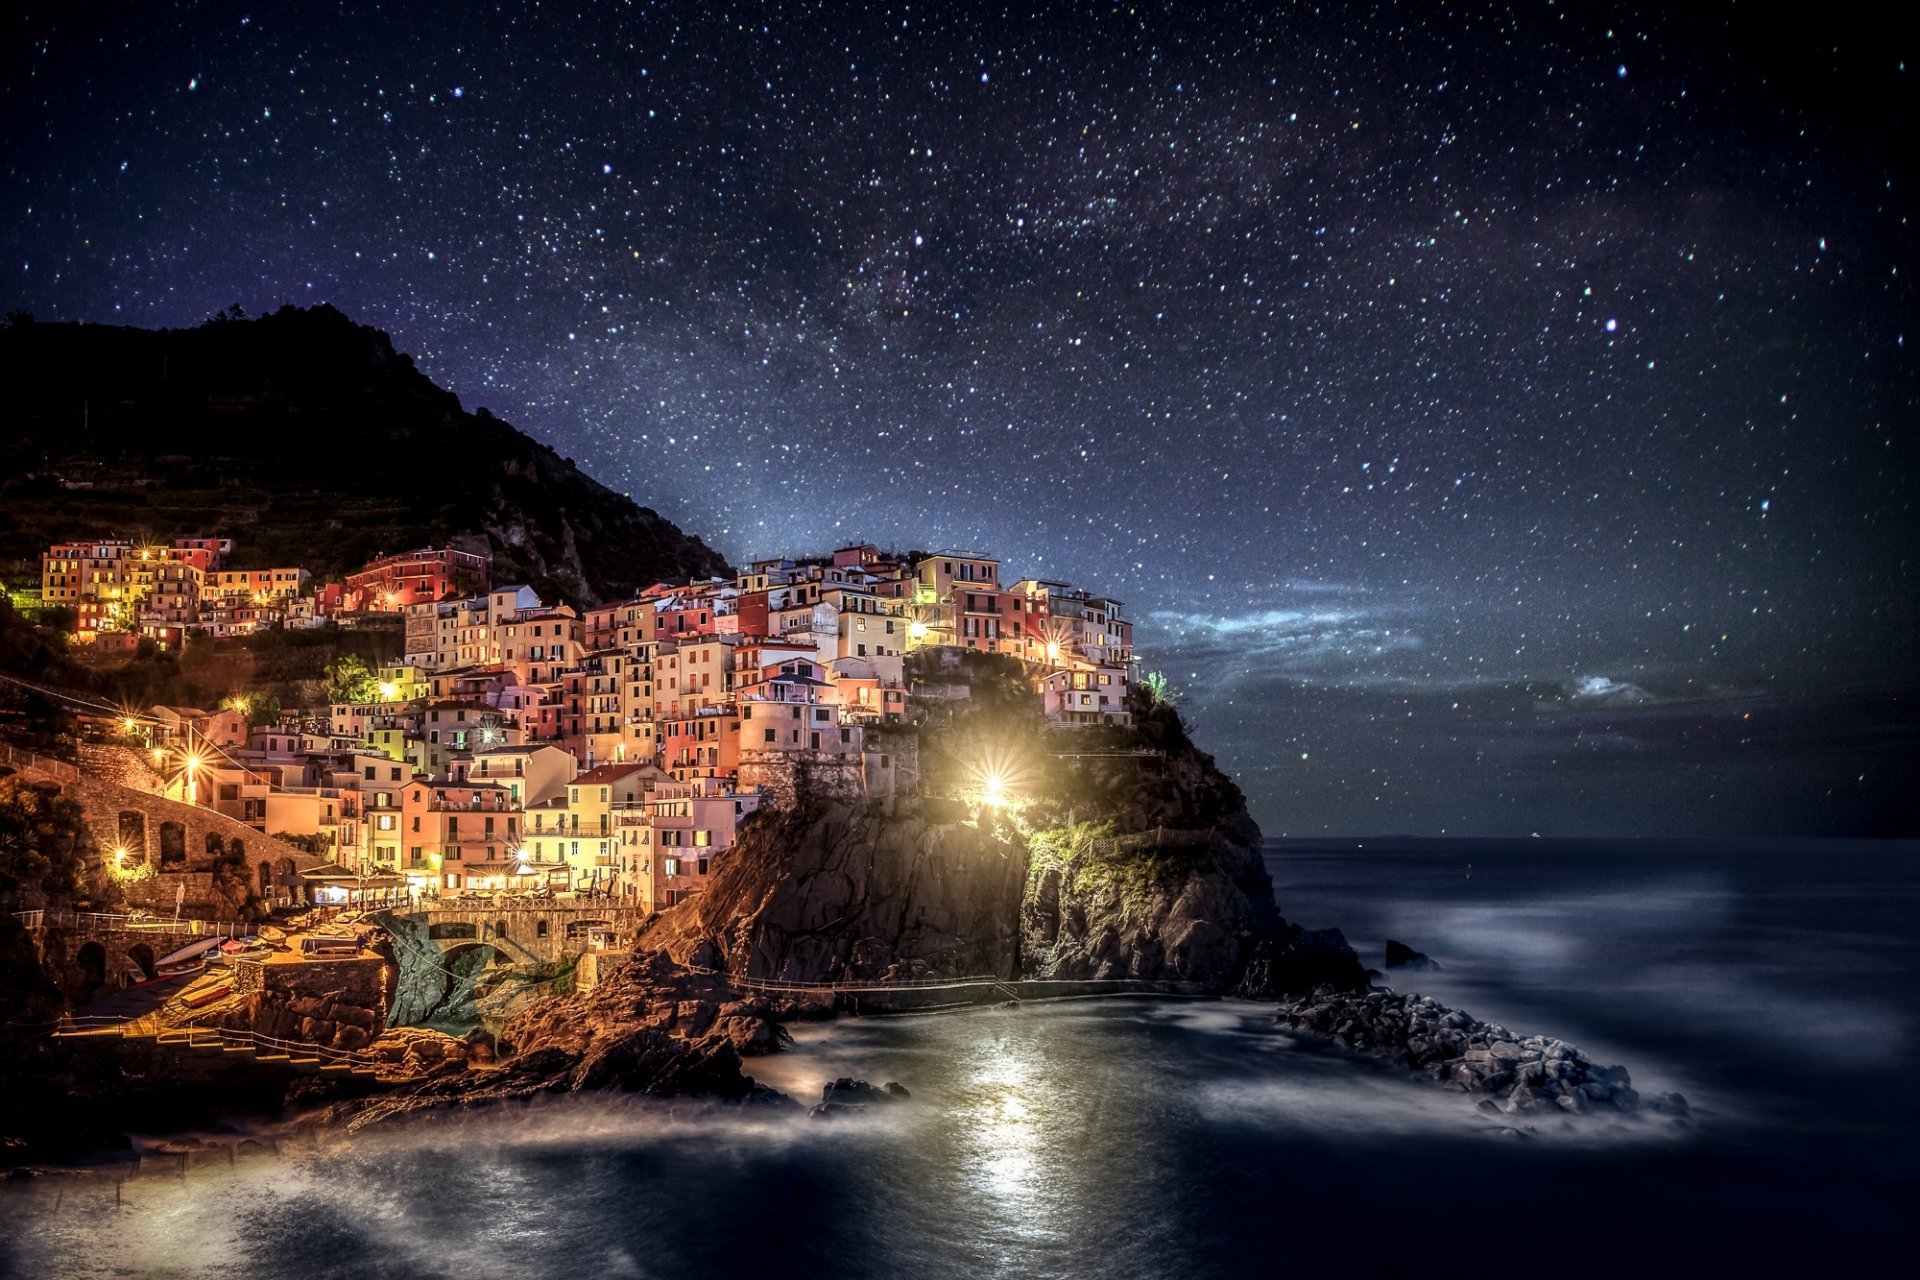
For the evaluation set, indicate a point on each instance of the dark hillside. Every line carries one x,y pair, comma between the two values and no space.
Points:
308,440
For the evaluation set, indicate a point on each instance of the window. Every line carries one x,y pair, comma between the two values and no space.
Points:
770,735
669,866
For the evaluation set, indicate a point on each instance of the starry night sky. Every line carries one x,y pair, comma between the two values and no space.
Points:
1497,420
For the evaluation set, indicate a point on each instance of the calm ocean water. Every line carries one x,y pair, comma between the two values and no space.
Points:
1773,984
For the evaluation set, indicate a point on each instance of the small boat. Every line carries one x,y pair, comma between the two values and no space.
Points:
192,952
201,999
137,977
272,933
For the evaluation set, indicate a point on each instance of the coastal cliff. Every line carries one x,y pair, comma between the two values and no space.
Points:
838,892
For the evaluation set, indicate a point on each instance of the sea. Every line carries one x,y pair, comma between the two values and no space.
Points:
1771,983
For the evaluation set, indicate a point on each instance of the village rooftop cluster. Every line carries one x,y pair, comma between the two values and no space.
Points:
521,746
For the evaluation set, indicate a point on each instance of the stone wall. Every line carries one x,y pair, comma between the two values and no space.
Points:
86,955
338,1003
218,862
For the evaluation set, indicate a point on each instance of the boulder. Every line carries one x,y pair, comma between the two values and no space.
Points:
849,1096
1402,956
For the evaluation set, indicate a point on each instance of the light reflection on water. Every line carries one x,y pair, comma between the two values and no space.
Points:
1146,1138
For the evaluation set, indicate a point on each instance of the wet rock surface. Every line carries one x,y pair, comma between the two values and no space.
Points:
1518,1074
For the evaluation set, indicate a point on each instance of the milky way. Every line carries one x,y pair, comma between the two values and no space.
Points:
1497,418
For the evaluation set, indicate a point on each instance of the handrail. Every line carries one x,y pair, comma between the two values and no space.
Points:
869,986
168,924
61,769
148,1026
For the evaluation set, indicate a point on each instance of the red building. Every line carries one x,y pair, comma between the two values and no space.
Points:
391,583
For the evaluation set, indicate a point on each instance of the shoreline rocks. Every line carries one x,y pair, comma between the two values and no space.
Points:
847,1096
1518,1074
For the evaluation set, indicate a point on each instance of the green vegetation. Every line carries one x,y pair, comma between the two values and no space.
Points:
350,679
44,841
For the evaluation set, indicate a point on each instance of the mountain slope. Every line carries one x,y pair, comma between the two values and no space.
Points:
308,440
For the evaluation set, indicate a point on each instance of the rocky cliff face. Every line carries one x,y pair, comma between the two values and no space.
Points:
838,891
1136,907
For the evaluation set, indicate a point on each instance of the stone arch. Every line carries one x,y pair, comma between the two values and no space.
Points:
91,962
237,849
500,927
216,847
266,878
131,834
173,843
142,956
540,928
469,956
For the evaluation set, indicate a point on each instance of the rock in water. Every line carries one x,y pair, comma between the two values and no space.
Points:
1402,956
849,1096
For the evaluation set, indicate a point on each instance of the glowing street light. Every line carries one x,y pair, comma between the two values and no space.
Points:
388,689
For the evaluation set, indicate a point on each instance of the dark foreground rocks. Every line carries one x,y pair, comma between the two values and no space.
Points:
652,1027
847,1096
1519,1075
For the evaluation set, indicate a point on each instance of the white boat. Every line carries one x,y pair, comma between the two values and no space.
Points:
192,951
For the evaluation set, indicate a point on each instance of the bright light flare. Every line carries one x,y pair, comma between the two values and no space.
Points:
997,775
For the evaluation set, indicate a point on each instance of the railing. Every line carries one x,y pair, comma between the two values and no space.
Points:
149,1027
869,986
40,764
165,924
30,919
1159,838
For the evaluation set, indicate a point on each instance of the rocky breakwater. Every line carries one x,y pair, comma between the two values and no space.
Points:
1519,1075
651,1026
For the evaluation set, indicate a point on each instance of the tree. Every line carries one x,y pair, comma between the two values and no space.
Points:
350,679
44,841
259,708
